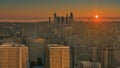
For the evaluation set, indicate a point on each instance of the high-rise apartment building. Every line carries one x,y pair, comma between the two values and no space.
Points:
13,56
57,56
106,57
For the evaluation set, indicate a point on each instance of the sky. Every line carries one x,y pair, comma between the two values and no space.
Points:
35,9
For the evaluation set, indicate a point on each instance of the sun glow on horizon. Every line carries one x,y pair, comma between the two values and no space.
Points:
97,19
96,16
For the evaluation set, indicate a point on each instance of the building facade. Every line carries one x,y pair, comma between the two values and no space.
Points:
13,56
58,56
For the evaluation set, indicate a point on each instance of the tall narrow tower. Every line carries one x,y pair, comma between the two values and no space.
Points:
49,19
71,17
66,18
55,17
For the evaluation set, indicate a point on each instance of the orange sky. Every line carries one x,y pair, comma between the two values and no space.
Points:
42,9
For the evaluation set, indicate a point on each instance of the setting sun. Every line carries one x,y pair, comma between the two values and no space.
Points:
97,19
96,16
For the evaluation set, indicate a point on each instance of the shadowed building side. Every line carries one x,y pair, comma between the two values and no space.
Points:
36,50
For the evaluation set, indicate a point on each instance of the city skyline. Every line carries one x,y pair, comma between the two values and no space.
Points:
59,34
37,9
92,44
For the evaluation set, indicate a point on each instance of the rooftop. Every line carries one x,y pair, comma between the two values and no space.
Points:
57,46
11,45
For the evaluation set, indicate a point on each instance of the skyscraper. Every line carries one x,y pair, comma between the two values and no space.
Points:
68,31
13,56
94,53
63,19
79,50
57,56
106,57
71,17
66,18
55,17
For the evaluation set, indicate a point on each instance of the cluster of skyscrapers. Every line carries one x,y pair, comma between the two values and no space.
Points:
63,19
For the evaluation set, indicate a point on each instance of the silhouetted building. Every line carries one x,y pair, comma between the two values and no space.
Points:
49,19
62,19
55,17
58,20
67,19
71,17
13,56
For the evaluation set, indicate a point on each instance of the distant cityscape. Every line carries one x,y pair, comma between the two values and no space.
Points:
60,42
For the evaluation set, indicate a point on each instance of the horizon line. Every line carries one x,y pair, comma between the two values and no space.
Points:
46,19
37,18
